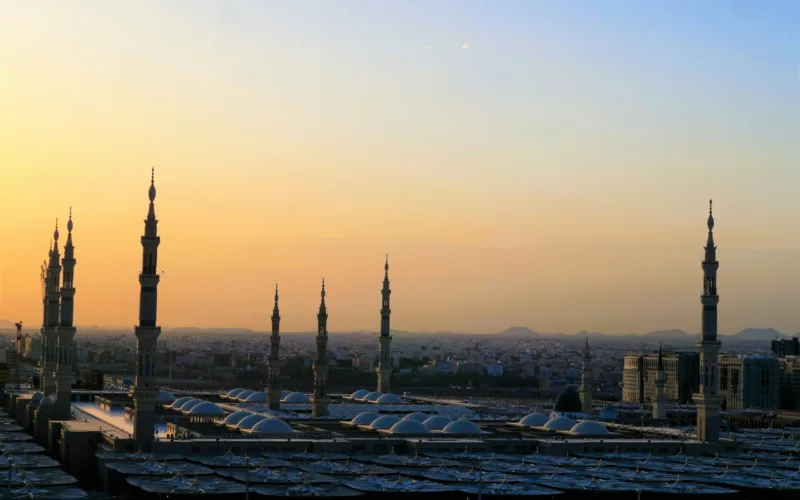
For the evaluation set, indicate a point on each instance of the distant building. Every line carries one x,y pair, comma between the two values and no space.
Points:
750,382
790,382
494,370
640,372
33,347
786,347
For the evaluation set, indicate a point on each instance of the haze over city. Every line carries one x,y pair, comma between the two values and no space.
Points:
534,163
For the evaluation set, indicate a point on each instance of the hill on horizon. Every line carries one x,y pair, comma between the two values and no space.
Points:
669,333
759,333
518,330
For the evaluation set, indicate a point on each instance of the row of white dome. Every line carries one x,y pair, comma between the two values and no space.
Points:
376,397
585,427
415,423
256,423
248,396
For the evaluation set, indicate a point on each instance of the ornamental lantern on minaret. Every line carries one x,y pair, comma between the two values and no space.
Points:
586,379
145,390
707,399
385,339
320,399
65,376
273,382
660,403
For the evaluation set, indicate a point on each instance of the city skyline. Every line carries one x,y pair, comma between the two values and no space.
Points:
560,196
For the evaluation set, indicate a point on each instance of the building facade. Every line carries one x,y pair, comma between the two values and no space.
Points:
790,382
640,374
750,382
786,347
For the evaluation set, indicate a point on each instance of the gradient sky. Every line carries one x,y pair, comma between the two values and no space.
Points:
532,163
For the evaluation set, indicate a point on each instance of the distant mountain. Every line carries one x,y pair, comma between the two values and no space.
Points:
518,330
6,324
759,334
584,333
668,333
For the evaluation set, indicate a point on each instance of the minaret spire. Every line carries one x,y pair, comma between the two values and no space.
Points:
145,390
660,402
587,384
66,332
320,399
707,400
385,339
50,327
273,381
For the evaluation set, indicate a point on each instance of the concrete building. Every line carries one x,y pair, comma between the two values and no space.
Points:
790,382
147,332
707,399
33,348
750,382
385,340
786,347
640,373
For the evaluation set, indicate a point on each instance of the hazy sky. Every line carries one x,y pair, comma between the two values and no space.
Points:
532,163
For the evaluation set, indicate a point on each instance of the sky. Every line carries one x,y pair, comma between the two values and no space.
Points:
537,163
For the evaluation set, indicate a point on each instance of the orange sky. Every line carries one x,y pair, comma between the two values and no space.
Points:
516,182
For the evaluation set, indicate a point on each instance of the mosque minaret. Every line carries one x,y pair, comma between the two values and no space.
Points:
273,383
50,327
145,390
66,332
660,403
586,379
320,399
385,360
707,400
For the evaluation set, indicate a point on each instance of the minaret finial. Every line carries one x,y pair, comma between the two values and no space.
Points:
710,215
323,288
153,175
69,222
55,233
276,292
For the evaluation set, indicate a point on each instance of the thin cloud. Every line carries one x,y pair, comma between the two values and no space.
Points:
428,47
465,46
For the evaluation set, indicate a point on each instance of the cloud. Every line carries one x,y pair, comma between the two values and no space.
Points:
428,47
465,46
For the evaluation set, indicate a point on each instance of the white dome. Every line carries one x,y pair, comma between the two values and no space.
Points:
272,426
462,427
372,396
248,422
533,420
180,402
36,397
389,399
257,397
418,416
437,422
206,408
409,426
296,398
589,428
359,394
234,392
560,424
48,401
365,418
285,393
165,398
242,397
190,404
235,417
383,423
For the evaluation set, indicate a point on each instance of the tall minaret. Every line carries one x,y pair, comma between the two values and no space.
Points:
274,387
385,361
320,400
660,403
50,328
707,400
66,332
145,390
586,379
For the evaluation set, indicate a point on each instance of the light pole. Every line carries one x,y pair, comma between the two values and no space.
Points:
246,477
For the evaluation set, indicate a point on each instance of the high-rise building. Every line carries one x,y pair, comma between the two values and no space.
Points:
750,381
707,399
385,357
640,374
145,390
786,347
790,382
